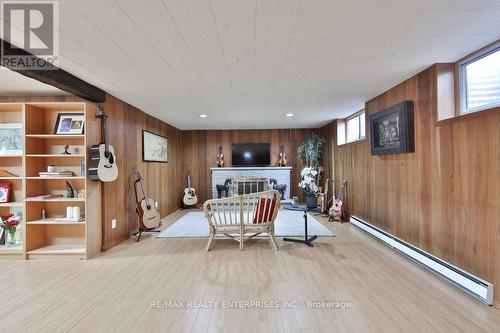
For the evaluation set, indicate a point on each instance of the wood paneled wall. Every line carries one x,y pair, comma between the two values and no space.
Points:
125,133
200,148
161,179
444,198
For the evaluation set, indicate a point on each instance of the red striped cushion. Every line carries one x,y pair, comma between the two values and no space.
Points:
265,210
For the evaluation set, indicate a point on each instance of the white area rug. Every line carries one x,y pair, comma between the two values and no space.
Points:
288,224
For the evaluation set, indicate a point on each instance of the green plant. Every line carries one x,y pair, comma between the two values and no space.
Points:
310,151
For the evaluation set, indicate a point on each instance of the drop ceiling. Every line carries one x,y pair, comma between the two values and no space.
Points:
246,64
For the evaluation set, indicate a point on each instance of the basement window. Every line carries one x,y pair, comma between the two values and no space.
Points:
480,81
355,129
351,129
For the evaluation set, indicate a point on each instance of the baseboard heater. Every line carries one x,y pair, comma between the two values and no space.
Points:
472,285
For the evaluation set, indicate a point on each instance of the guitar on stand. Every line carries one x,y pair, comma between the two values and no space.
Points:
336,212
220,158
190,199
282,160
148,215
102,165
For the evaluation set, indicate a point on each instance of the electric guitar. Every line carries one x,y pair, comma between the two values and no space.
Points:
337,211
102,156
190,198
148,215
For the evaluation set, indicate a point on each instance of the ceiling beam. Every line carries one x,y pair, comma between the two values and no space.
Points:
55,76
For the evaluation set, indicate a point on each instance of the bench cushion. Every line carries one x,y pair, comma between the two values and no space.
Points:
265,210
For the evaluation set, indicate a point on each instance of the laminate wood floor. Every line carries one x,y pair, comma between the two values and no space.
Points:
355,283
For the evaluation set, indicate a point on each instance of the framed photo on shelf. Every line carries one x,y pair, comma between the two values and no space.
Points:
11,139
70,123
154,147
5,189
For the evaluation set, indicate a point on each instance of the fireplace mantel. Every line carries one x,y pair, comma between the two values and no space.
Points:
251,168
281,174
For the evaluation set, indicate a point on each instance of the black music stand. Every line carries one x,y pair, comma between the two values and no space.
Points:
307,239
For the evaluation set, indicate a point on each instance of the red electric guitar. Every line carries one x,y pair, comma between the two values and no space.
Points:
337,211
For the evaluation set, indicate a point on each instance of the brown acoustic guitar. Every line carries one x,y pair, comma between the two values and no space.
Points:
149,217
220,158
282,161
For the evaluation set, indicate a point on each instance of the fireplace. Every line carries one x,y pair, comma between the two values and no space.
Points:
250,185
256,177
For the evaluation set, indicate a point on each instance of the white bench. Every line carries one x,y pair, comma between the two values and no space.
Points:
243,217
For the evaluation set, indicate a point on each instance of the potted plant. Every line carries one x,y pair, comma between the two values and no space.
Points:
9,224
309,152
308,185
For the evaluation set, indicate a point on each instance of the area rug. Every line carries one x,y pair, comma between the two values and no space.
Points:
288,224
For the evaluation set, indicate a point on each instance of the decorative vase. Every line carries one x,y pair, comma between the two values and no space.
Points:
11,238
311,202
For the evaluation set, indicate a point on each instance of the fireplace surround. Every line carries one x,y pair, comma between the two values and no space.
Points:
250,179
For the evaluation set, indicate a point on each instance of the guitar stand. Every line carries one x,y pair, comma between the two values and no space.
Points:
184,206
141,230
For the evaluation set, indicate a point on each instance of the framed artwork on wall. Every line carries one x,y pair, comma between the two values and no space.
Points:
70,123
392,130
11,139
154,147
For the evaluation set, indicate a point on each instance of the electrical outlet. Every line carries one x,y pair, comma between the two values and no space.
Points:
113,224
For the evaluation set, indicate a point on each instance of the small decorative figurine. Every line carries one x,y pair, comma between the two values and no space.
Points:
220,158
66,152
81,194
70,193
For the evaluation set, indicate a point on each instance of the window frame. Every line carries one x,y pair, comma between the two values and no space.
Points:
462,80
346,120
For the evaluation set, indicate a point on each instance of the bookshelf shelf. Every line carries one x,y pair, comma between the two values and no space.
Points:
11,204
55,200
51,221
56,178
56,136
15,250
56,155
56,249
43,148
12,163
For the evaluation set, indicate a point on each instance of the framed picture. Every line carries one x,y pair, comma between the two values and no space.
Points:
392,130
11,139
5,192
70,123
154,147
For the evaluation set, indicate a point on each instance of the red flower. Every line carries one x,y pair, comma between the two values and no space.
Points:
6,217
12,223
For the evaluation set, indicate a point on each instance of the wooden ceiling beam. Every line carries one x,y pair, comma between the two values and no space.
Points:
55,77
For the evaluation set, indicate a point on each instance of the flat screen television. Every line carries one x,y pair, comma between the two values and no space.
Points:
251,154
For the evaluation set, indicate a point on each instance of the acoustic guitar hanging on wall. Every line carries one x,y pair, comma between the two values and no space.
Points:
102,156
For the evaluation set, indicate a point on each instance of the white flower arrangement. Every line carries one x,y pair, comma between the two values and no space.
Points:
308,183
